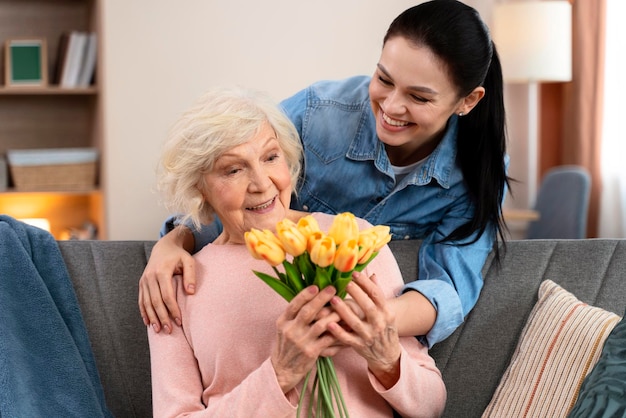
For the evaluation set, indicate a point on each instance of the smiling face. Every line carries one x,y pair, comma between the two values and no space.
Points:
412,98
249,186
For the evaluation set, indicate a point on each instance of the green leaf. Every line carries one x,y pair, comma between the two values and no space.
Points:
341,283
306,267
278,286
281,276
322,277
360,267
294,278
334,275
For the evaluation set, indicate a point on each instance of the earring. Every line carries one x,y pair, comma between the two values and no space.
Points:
461,113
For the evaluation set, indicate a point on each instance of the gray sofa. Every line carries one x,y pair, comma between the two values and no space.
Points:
105,276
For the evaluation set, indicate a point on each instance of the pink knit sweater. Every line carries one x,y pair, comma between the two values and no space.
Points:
218,364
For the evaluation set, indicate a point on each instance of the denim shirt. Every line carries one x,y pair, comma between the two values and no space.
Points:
347,169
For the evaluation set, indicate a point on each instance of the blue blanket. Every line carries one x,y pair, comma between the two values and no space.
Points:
47,368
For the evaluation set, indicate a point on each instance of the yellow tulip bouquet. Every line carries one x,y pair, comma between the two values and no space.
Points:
321,259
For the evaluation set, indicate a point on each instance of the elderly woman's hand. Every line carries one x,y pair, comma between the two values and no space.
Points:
373,334
302,336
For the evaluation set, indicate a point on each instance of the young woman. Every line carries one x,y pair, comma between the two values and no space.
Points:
419,146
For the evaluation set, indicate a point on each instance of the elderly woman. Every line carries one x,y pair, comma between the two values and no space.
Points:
242,350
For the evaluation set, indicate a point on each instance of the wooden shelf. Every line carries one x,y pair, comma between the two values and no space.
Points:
50,90
13,192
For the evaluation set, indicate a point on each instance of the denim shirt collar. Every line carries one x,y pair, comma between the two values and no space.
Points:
438,166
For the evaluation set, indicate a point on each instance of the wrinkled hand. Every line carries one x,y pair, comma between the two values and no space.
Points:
372,334
301,336
157,290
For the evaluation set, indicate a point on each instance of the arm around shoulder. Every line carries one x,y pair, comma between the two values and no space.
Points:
157,298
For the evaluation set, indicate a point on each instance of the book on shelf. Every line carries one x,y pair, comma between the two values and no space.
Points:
61,57
88,66
76,59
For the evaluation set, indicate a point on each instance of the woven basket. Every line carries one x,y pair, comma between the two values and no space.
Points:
56,177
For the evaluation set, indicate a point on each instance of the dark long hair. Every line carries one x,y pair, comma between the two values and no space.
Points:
456,34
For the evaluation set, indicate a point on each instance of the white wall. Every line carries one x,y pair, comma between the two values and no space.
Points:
159,55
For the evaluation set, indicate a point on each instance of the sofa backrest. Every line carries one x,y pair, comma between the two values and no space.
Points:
106,274
106,279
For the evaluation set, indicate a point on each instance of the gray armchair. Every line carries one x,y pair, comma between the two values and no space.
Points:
562,203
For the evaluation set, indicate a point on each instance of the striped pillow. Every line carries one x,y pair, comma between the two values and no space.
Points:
559,345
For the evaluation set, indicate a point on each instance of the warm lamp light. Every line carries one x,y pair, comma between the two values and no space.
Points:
41,223
534,40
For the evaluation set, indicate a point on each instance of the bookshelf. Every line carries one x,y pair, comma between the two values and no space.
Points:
51,116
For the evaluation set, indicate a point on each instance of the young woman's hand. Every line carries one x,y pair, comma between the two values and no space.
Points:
157,295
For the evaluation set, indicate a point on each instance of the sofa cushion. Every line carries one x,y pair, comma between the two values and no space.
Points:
603,393
559,345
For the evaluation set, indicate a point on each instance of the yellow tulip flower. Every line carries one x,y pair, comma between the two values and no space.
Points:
263,245
322,249
292,239
344,228
366,246
346,256
308,225
380,235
